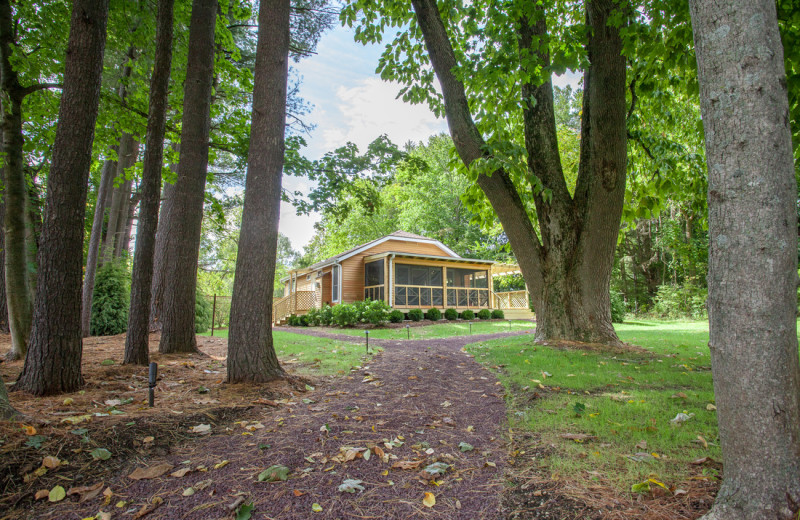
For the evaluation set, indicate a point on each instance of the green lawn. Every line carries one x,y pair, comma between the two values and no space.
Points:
309,355
444,329
620,400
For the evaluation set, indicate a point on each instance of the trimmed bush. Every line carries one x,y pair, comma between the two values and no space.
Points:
202,314
344,315
484,314
111,299
396,316
434,314
293,321
375,312
498,314
304,320
451,314
415,314
467,315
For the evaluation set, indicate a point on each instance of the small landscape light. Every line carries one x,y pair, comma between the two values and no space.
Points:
470,328
152,383
408,331
366,334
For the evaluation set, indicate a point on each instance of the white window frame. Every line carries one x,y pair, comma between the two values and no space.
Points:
336,288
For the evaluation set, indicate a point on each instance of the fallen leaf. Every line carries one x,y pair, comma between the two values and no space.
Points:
703,441
437,468
86,492
68,401
274,473
42,493
407,464
57,494
577,437
51,462
316,507
199,486
679,395
642,445
710,407
150,472
446,404
201,429
188,492
148,439
100,454
351,485
245,511
298,493
29,430
181,472
465,446
429,500
702,460
149,508
102,515
220,465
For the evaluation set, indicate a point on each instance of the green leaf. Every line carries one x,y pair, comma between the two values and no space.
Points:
465,446
244,512
35,441
316,507
107,362
351,485
274,473
641,487
100,454
578,408
437,468
57,494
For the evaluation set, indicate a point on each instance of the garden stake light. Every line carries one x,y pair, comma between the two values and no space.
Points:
152,381
470,328
366,334
408,331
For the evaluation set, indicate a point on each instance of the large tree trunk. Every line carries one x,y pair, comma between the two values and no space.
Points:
125,245
752,278
6,410
106,184
183,246
137,350
569,270
159,260
53,362
251,354
20,306
3,306
120,195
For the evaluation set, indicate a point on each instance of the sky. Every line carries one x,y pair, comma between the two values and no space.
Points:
351,103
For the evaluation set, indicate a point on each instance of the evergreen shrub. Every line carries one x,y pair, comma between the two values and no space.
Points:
110,300
484,314
467,315
415,314
396,316
202,313
451,314
434,314
498,314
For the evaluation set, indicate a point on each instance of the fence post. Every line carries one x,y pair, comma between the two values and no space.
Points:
213,314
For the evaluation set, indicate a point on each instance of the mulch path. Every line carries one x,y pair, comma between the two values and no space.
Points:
411,407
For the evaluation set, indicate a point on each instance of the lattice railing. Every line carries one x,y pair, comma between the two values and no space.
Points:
300,301
511,300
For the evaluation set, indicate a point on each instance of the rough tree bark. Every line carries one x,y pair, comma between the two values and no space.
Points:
3,306
125,244
127,207
159,261
6,410
251,354
120,194
183,234
569,270
106,184
20,306
752,278
53,361
137,350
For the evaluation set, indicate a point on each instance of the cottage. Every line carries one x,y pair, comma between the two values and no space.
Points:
405,270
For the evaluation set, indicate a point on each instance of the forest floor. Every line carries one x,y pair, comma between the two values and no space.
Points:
419,431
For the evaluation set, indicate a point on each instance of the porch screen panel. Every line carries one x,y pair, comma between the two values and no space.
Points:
373,280
418,286
467,287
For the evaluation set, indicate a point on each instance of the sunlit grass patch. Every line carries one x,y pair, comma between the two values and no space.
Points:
444,329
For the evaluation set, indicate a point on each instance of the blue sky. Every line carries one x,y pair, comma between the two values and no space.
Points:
351,103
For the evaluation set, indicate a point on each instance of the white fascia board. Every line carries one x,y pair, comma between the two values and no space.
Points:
401,239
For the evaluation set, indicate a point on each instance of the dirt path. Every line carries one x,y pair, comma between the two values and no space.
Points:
414,404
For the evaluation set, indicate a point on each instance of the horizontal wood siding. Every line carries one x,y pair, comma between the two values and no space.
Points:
353,267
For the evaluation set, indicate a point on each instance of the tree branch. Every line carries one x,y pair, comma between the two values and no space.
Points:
40,86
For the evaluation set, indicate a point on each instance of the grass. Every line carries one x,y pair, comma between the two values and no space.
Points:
619,400
444,329
309,355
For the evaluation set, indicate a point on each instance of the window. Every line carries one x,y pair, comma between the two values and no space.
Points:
472,278
335,283
373,273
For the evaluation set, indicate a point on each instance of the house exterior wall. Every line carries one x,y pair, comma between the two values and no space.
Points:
353,267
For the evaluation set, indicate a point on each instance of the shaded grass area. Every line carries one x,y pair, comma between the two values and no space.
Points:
444,329
309,355
624,403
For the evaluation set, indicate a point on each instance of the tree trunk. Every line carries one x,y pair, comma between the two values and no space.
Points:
6,410
3,306
120,194
251,354
53,361
569,270
106,180
128,203
125,246
752,278
183,246
20,306
159,260
137,350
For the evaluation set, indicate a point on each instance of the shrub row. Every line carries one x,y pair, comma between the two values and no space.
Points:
378,313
